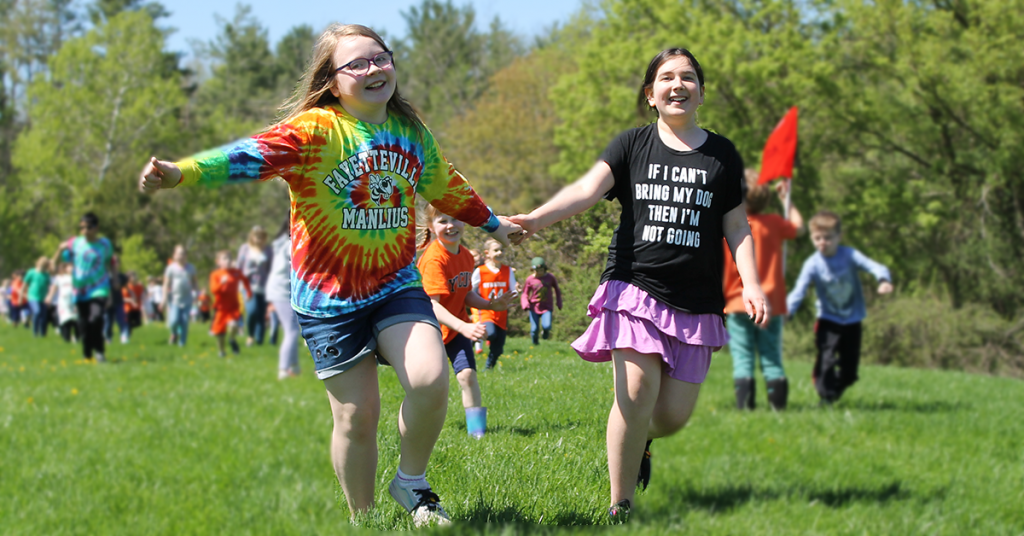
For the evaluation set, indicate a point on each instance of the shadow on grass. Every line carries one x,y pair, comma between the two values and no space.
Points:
731,497
913,406
907,406
485,518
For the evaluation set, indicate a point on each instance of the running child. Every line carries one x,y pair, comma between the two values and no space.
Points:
447,270
540,295
62,294
134,295
355,155
224,283
492,280
658,310
840,301
747,341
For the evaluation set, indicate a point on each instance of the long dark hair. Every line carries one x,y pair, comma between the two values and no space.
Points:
642,106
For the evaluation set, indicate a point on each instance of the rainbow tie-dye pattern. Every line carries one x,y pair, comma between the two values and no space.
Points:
353,188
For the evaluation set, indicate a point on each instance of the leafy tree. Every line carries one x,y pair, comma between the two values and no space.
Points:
444,62
105,103
291,56
926,125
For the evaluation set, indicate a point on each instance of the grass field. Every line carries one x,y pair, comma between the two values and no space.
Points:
164,441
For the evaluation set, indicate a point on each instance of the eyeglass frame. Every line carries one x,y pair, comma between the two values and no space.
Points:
369,61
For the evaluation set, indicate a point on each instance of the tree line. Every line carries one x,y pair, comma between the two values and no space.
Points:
912,114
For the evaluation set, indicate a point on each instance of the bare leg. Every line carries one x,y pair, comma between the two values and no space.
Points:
416,352
220,345
471,397
676,401
637,383
355,404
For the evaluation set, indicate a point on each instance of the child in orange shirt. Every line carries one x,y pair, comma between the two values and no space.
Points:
492,280
745,339
205,304
226,311
447,269
134,296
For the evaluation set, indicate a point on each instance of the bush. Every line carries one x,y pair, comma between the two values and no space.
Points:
928,332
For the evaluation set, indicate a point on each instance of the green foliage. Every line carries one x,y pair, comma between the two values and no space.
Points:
137,256
106,102
925,332
444,62
170,441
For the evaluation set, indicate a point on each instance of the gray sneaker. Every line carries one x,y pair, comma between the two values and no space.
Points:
423,504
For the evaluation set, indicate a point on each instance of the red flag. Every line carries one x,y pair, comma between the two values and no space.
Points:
780,150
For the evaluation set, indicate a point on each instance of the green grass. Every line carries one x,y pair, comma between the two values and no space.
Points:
168,442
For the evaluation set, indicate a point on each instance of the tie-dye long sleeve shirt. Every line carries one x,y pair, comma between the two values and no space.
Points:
353,188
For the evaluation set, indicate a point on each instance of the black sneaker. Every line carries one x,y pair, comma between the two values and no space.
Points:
619,513
644,478
234,346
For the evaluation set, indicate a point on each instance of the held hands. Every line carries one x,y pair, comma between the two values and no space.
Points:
884,287
508,233
756,305
471,331
528,224
158,174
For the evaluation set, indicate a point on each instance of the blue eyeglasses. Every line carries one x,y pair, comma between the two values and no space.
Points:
360,66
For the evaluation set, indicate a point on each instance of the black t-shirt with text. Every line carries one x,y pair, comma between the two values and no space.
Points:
669,238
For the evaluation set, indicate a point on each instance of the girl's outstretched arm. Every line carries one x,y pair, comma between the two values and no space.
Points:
158,174
737,234
570,201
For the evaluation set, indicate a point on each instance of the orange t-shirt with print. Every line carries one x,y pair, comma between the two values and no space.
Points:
448,276
492,286
768,232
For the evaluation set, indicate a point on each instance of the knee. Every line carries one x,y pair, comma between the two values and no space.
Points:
357,423
467,378
430,389
669,422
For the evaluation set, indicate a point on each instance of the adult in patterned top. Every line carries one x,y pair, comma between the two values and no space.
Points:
91,256
355,156
658,310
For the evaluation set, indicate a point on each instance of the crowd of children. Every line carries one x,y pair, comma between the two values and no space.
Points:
665,302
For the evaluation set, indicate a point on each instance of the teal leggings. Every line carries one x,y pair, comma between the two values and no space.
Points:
746,340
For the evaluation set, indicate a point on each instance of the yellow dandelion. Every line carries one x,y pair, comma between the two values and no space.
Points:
30,400
74,391
44,362
21,368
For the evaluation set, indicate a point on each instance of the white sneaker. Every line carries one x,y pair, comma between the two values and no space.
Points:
99,357
124,338
423,504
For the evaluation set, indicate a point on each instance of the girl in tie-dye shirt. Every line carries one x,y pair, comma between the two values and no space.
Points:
355,156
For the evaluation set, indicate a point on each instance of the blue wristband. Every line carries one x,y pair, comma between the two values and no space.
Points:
492,223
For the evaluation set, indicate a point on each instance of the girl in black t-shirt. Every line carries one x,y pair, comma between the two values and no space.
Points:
658,310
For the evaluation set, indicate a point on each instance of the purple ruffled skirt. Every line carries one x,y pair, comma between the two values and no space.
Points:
626,317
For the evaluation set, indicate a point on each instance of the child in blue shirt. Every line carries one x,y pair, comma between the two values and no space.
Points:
840,301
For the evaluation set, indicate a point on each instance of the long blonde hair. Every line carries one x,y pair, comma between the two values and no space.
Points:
314,88
423,228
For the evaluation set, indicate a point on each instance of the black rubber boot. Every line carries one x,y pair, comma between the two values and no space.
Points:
778,393
745,393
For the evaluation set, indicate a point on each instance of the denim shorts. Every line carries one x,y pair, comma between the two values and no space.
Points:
340,342
460,353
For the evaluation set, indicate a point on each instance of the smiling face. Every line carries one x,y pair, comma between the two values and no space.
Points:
494,252
449,231
366,95
676,92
